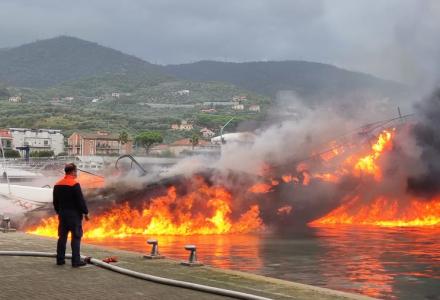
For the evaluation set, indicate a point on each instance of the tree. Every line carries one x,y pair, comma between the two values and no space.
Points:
194,140
10,153
42,153
148,138
123,137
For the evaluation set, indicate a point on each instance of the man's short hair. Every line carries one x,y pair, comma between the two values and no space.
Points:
69,168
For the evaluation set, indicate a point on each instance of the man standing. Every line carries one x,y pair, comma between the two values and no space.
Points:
70,206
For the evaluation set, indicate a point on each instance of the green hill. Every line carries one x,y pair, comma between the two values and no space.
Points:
67,83
308,79
49,62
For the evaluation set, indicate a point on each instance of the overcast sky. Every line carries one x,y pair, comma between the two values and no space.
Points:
395,39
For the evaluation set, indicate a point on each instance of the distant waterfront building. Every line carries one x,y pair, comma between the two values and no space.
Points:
38,139
99,143
6,138
116,95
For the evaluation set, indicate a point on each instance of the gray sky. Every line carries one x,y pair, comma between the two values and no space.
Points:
396,39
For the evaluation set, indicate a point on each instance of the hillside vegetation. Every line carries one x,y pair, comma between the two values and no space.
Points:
72,84
308,79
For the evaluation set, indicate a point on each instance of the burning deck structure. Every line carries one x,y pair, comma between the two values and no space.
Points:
361,181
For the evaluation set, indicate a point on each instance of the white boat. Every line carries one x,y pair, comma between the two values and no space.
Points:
17,200
16,174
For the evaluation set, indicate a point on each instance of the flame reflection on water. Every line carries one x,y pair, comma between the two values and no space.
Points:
389,263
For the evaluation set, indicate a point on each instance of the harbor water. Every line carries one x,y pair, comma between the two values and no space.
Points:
387,263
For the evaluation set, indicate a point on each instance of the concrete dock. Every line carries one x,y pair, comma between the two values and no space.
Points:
41,278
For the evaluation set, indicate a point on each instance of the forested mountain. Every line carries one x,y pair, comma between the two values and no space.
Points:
72,84
49,62
54,61
308,79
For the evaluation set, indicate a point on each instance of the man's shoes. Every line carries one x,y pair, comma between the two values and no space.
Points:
80,264
60,263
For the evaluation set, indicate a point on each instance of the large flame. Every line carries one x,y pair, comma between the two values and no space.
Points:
205,210
382,210
368,164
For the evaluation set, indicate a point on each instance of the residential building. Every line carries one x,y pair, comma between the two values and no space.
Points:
209,110
239,98
255,108
6,139
207,133
69,98
38,139
116,95
238,107
182,92
184,125
99,143
15,99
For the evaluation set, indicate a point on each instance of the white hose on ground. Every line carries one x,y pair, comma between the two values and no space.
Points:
162,280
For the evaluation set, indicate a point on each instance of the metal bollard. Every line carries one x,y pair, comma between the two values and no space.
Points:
154,250
6,225
192,260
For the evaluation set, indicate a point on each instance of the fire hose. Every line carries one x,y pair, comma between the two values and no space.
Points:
148,277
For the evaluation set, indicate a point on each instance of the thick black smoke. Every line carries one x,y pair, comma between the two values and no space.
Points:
427,136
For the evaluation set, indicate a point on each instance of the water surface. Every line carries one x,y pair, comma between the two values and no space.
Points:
389,263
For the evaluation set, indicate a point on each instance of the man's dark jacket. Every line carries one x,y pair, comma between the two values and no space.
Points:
68,198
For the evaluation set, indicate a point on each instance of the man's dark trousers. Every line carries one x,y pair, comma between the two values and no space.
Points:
69,222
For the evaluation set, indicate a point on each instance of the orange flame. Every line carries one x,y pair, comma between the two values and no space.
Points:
368,163
207,210
287,178
260,188
384,212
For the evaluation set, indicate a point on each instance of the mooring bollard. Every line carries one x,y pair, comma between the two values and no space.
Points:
154,250
6,225
192,260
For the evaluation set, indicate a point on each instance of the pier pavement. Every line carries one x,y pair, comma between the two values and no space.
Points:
41,278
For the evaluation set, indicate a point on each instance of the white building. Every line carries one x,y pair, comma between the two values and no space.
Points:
238,107
207,133
116,95
255,108
185,125
38,139
15,99
182,92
